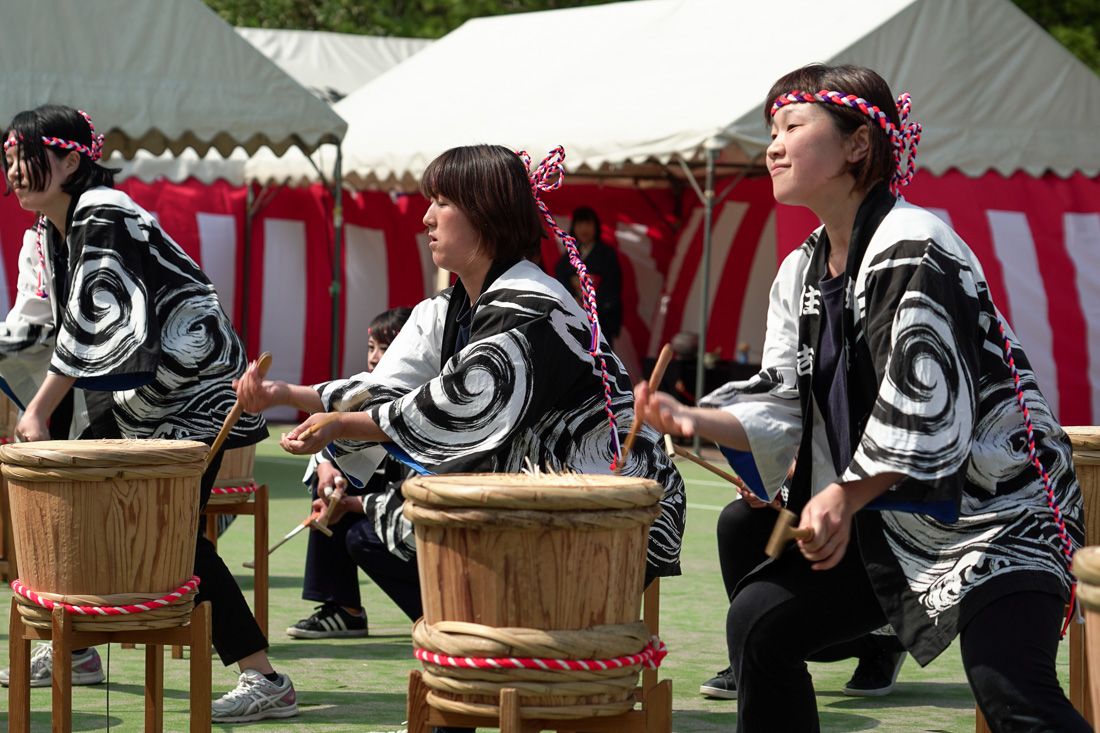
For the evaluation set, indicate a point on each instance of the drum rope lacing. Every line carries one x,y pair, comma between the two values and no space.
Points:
167,599
246,488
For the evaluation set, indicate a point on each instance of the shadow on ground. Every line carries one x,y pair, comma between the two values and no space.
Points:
40,721
914,695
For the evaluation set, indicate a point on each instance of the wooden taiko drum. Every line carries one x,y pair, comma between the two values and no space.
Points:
532,566
1086,462
9,417
108,520
1086,566
1085,647
234,482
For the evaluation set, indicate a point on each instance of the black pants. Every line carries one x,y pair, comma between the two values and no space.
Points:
787,612
331,575
743,533
397,578
234,628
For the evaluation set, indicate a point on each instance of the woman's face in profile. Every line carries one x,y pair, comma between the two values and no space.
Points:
452,238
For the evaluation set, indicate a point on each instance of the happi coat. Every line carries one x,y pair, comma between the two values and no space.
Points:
523,388
930,396
140,327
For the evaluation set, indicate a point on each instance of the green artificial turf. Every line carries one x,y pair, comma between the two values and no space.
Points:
359,685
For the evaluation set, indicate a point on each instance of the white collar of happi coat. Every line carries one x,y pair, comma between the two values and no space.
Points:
526,275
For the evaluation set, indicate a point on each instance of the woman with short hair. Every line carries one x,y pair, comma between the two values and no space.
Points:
140,330
493,373
885,371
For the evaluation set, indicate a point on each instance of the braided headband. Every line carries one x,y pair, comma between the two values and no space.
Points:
549,176
903,139
94,151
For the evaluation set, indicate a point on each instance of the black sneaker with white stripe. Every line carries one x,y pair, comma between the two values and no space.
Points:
330,622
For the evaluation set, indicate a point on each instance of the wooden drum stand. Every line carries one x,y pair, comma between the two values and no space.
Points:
654,715
195,634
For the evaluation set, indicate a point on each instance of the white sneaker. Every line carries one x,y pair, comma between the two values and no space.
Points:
87,668
256,698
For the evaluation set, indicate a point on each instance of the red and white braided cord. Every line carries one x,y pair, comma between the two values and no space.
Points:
549,176
249,488
1033,458
903,139
166,600
651,657
94,151
40,243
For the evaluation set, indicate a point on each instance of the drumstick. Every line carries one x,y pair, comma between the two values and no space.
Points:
287,537
784,531
333,500
685,453
321,422
654,382
262,365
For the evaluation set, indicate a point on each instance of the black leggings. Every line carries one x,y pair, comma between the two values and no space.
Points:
397,578
788,612
234,629
331,575
1015,682
743,533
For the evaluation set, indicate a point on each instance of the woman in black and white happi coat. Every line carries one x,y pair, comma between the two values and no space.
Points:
884,371
492,372
139,329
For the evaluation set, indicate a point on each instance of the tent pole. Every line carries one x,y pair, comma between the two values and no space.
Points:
246,270
337,258
708,217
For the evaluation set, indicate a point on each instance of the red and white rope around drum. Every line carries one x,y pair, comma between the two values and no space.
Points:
651,657
249,488
166,600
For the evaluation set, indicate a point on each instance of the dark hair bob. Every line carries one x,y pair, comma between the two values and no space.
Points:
489,184
55,120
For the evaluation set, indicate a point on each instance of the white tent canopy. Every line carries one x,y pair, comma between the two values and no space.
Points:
155,76
331,65
629,87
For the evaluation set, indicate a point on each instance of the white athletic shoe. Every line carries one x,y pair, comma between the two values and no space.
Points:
87,668
256,698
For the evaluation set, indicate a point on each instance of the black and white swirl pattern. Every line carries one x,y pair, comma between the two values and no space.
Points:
197,337
524,389
924,411
476,409
142,320
106,318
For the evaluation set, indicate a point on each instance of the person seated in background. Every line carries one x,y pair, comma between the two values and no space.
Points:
602,262
331,574
679,379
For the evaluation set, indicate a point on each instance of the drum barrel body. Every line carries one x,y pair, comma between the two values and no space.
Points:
532,577
1086,562
104,517
560,557
238,465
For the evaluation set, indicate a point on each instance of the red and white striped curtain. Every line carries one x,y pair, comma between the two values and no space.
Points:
1038,240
